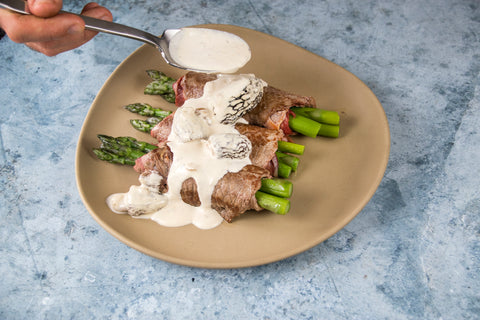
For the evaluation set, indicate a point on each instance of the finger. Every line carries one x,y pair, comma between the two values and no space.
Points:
89,6
56,46
94,10
44,48
29,28
71,41
53,48
44,8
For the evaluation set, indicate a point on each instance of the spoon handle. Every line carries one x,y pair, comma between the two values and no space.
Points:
119,30
93,24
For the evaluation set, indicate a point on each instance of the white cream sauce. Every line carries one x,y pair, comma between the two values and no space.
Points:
139,200
204,149
209,50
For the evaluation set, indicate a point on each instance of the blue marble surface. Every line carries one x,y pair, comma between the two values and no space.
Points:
412,253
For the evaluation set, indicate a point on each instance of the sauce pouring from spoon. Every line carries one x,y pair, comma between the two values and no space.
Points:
195,49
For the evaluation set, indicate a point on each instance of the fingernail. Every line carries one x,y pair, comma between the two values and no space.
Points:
105,17
34,3
75,29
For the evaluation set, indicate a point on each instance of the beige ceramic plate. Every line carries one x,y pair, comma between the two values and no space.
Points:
336,178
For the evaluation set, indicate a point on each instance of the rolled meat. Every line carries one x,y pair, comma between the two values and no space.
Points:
233,194
272,111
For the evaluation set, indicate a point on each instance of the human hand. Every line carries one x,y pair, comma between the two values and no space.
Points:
48,31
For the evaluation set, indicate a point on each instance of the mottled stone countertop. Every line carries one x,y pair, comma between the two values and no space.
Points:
412,253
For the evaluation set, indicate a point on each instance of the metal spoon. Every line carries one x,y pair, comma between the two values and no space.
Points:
161,43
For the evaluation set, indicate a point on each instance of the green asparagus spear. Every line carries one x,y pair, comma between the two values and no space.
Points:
128,142
327,130
304,126
284,170
319,115
277,187
272,203
307,122
161,85
159,76
287,159
144,109
290,147
122,151
113,158
145,125
162,89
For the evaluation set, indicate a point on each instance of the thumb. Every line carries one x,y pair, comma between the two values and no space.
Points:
44,8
